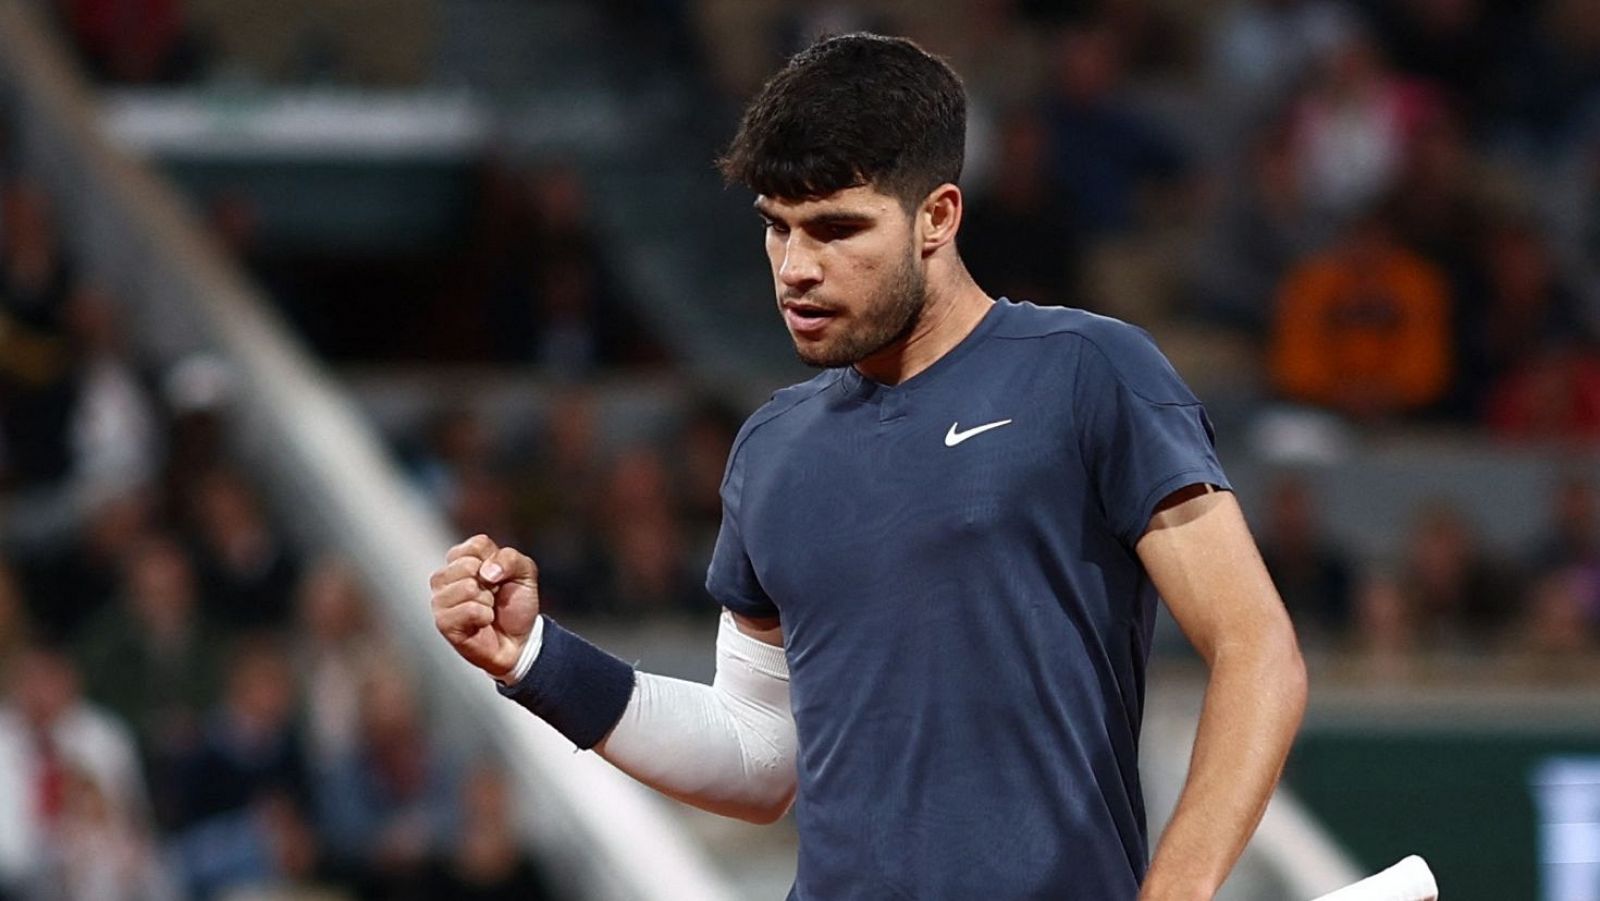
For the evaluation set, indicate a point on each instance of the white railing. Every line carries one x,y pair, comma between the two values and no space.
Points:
305,440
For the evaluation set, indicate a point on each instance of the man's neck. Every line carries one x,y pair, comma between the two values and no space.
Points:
948,316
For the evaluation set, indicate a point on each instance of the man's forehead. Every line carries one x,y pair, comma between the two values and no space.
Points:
864,200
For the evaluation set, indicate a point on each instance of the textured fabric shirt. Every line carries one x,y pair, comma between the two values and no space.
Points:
965,619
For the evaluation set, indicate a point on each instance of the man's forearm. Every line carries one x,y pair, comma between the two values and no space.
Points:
703,746
728,747
1253,705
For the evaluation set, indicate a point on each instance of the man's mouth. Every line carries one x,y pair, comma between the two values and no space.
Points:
807,318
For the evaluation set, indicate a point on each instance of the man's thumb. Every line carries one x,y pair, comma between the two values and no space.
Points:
506,565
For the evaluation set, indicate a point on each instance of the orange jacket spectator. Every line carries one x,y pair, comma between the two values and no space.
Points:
1363,328
1554,397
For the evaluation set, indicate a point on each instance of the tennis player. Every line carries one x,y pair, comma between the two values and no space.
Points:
940,558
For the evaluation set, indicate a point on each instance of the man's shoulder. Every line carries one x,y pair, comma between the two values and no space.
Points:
1025,321
783,401
1101,345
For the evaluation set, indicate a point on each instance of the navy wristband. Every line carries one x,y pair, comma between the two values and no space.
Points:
574,686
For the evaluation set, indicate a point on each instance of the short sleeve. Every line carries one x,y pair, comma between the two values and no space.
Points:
731,579
1142,433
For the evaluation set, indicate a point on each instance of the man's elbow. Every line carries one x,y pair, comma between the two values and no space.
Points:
1287,668
1268,656
764,812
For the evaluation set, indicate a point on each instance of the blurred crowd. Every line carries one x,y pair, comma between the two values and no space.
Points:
1534,608
1384,209
1392,207
620,529
1390,210
625,531
378,43
1393,203
189,708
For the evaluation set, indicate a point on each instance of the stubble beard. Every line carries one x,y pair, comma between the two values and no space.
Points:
889,317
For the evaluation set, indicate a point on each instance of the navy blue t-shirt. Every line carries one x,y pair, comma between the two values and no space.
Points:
965,619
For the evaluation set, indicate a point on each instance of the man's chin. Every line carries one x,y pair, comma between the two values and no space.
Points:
816,360
818,355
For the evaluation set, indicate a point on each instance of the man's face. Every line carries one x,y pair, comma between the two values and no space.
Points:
848,278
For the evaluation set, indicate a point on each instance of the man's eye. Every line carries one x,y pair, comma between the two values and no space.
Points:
775,227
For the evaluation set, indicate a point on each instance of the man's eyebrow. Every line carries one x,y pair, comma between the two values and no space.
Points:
832,217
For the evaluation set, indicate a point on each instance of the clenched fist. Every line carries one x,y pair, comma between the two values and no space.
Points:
485,602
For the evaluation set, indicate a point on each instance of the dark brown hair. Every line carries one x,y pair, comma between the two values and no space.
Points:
856,109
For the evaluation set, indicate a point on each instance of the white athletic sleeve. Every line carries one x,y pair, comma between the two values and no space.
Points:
727,747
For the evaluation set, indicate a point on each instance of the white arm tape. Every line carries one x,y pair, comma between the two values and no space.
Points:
727,747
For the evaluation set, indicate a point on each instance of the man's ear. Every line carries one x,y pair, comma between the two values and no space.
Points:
939,217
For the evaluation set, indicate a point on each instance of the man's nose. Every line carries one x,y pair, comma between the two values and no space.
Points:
800,266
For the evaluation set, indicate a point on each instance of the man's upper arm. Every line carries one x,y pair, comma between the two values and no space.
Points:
1142,434
731,577
766,629
1202,560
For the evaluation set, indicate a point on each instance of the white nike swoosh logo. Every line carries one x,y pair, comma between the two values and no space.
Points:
954,437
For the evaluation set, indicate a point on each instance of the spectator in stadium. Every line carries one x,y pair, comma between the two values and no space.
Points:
1455,45
1571,537
15,629
35,275
1103,152
560,504
1387,635
1562,619
1261,49
82,436
1364,328
133,41
387,808
50,736
547,295
151,659
1312,575
1527,306
702,446
38,383
484,501
1462,598
267,849
647,568
1353,126
1020,236
335,646
247,571
1554,397
484,860
115,431
1440,211
1262,229
197,392
251,749
456,440
100,853
1586,228
1551,80
71,583
575,336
